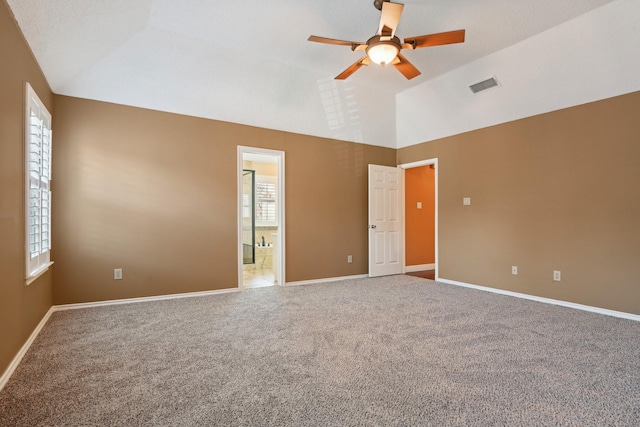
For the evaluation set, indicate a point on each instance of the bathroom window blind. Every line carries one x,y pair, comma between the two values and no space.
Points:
266,214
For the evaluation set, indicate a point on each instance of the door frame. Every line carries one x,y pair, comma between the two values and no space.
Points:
427,162
280,243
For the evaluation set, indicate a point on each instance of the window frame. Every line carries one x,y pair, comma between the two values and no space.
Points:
37,261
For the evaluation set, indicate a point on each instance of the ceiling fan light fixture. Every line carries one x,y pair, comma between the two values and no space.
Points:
384,48
383,52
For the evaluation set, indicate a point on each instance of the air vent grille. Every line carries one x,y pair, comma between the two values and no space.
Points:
484,85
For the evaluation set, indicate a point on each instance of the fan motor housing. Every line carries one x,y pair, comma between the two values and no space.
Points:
378,4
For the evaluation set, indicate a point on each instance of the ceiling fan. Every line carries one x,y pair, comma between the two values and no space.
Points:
384,48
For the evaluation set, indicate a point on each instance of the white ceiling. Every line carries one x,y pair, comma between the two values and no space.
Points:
250,62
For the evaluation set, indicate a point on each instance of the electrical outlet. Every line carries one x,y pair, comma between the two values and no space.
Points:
557,275
349,259
466,201
117,274
514,270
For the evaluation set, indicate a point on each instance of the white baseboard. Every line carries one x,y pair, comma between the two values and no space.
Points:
328,280
16,360
421,267
576,306
141,299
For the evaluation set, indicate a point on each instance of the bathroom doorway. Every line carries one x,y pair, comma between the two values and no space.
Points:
260,217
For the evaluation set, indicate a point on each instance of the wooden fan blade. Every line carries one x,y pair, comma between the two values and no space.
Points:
326,40
406,68
438,39
352,69
389,18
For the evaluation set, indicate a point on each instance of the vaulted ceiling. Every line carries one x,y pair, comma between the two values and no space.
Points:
250,62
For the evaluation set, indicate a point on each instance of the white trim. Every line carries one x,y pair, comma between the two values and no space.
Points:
568,304
16,360
39,272
421,267
417,164
327,280
240,202
280,203
403,214
142,299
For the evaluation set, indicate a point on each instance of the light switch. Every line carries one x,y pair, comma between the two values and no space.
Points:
419,205
466,201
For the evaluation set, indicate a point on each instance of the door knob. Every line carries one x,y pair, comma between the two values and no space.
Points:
372,226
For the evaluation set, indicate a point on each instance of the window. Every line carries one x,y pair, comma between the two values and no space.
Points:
266,214
37,183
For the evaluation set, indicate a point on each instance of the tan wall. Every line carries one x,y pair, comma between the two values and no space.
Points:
419,187
21,307
559,191
155,194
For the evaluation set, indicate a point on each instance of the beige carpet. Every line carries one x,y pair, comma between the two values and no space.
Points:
395,351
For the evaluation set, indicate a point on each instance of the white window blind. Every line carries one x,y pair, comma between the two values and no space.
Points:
266,214
246,206
38,188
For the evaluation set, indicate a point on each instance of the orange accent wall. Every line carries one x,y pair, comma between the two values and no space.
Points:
420,223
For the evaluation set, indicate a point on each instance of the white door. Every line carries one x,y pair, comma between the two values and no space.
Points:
385,221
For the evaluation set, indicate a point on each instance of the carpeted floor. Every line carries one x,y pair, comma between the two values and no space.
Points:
394,351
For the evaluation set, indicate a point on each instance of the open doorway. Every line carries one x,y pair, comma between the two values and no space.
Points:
421,218
260,217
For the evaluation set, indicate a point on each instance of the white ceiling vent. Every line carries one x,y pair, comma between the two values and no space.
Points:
484,85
